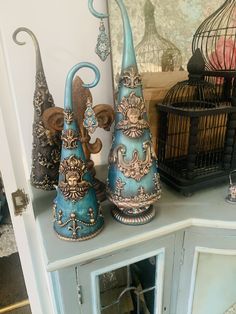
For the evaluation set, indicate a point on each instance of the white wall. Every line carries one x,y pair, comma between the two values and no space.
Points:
67,34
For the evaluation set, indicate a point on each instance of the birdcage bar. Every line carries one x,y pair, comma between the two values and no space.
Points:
155,53
196,145
216,38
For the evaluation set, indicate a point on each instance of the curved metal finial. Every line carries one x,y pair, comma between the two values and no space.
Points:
39,65
28,31
94,12
129,57
69,80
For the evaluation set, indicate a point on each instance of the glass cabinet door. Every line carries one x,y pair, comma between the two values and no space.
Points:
208,273
135,280
132,288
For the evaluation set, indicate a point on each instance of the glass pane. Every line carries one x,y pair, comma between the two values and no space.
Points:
129,289
215,288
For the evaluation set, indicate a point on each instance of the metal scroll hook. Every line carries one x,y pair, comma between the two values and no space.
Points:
94,12
103,47
39,64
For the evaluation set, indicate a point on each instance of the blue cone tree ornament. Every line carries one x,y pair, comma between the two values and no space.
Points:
133,183
77,213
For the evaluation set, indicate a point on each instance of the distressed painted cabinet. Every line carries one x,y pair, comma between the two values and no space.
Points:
82,284
186,235
208,272
76,269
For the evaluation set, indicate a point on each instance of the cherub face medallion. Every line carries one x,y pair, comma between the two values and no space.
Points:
73,187
132,109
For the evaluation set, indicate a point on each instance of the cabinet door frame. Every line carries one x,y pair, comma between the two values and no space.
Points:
200,240
13,171
162,247
198,251
159,277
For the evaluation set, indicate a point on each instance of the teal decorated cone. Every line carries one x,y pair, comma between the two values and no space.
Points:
133,183
77,213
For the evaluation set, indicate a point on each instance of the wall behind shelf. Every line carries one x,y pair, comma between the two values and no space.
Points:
67,34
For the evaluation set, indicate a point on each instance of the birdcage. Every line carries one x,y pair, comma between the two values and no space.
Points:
155,53
216,38
196,145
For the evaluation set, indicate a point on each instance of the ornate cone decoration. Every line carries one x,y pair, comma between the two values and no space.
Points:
46,144
76,209
133,179
103,117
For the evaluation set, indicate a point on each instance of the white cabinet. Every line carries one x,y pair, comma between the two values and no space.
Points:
77,270
133,278
208,273
183,229
188,240
54,269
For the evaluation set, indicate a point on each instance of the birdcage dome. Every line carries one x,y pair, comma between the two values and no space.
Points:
194,93
216,38
155,53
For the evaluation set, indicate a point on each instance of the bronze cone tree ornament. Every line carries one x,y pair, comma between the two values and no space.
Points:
46,143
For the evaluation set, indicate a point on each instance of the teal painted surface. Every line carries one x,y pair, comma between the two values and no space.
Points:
130,145
129,58
215,288
81,226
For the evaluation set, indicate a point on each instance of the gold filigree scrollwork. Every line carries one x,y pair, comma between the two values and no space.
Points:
130,77
132,108
91,215
68,115
54,206
38,102
44,135
69,139
49,163
40,80
55,156
74,187
46,183
41,94
74,226
156,180
138,202
119,187
60,214
134,168
73,222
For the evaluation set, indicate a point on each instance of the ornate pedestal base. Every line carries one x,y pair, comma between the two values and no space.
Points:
133,216
230,199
